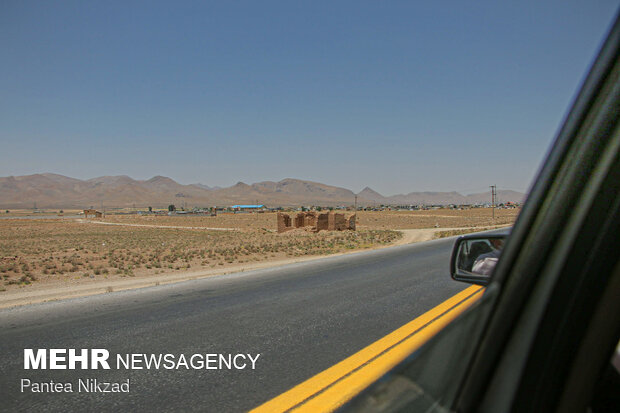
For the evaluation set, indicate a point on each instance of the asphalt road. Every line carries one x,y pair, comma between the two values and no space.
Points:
301,318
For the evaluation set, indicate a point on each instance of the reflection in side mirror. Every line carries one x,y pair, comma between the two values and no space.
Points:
474,257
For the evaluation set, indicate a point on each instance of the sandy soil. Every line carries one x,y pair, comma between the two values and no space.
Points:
411,236
49,259
37,293
440,218
127,224
443,218
62,288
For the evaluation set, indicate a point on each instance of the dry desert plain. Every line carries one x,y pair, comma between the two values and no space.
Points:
57,253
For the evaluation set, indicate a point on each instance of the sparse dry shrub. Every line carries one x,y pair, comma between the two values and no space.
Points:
50,247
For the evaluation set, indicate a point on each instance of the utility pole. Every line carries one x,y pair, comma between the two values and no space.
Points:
493,198
355,203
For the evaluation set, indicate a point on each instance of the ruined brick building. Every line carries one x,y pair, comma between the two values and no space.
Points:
94,212
316,221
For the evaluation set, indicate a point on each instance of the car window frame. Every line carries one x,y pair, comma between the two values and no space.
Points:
539,231
487,329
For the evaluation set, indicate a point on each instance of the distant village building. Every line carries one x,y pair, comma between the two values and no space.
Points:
316,221
248,208
94,212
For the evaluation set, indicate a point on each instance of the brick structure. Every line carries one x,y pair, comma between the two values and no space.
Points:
322,222
316,221
284,222
94,212
351,222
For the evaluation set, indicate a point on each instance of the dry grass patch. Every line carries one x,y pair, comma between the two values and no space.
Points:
382,220
440,218
44,250
252,221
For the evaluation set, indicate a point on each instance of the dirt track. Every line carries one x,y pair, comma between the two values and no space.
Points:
84,221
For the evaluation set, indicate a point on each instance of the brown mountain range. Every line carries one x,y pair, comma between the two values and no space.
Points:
57,191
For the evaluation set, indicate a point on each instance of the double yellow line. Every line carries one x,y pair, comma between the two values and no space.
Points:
335,386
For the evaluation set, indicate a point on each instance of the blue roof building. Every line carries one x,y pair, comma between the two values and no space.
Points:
248,206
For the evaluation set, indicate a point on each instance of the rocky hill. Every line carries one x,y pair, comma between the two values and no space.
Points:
57,191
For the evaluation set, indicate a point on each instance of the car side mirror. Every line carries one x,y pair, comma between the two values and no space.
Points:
474,257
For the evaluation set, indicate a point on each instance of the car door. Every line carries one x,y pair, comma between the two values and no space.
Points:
544,331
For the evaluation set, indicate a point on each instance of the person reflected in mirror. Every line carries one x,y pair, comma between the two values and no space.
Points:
473,249
485,263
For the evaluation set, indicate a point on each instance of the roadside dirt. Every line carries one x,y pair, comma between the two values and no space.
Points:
37,293
426,234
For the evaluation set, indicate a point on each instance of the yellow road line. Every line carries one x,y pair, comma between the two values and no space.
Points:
335,386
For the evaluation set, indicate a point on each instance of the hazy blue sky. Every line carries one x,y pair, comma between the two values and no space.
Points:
400,96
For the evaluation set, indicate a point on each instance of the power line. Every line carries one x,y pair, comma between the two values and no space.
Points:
493,198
